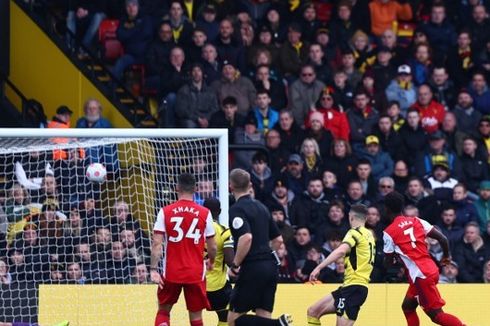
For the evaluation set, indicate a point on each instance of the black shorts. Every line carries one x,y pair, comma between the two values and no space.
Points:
219,299
349,299
256,287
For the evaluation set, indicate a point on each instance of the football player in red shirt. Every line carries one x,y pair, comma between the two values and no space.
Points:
182,228
405,239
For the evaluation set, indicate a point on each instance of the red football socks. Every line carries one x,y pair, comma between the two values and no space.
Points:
197,322
162,318
412,317
446,319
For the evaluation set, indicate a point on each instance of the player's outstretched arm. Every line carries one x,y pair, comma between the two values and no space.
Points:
340,252
439,236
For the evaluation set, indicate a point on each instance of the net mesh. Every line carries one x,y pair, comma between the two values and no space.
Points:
58,227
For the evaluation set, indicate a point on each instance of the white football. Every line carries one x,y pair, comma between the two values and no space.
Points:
96,172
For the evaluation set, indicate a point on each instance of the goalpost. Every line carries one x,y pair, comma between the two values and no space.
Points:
58,227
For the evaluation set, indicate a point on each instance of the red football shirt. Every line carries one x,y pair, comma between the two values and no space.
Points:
185,225
406,236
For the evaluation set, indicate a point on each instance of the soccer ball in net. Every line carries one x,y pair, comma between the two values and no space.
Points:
96,172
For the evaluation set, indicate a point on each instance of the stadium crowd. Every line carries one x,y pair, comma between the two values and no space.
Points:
353,99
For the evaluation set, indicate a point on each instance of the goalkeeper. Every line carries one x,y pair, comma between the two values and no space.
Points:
217,286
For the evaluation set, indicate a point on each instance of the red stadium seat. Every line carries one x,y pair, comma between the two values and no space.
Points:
111,47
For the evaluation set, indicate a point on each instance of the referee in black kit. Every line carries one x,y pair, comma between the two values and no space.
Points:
254,265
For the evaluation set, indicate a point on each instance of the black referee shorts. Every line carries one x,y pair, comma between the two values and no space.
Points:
219,299
349,299
256,287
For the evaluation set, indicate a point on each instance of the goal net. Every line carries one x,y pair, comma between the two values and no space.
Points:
59,227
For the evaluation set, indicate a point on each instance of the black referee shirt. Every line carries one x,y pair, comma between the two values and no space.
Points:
248,215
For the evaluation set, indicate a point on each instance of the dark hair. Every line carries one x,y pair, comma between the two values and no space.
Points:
262,90
360,211
333,235
394,202
363,161
186,182
229,100
214,206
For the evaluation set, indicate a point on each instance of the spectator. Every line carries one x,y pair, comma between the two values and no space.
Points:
194,50
158,54
16,206
454,137
386,185
62,118
140,274
348,67
93,116
426,204
319,134
478,27
204,189
334,220
355,195
442,87
74,274
471,254
173,78
431,112
264,43
19,266
314,257
389,140
449,227
461,59
465,113
316,57
440,180
439,31
120,266
276,89
474,164
394,112
248,135
309,22
309,207
229,49
334,120
261,176
359,43
414,139
364,174
267,116
386,13
293,53
5,276
207,22
181,27
295,174
362,119
88,265
383,69
281,196
343,90
135,34
228,117
465,210
341,162
421,64
211,66
303,94
82,22
286,230
330,187
437,151
323,39
398,52
278,154
482,204
484,136
287,268
401,176
381,162
291,133
480,92
342,26
377,96
449,273
195,102
401,89
310,153
233,84
298,248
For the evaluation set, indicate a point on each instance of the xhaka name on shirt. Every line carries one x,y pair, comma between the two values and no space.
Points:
185,209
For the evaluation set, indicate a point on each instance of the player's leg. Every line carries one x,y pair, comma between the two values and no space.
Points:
342,321
196,300
324,306
432,302
409,306
167,297
219,301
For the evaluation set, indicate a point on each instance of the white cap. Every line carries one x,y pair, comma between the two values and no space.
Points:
404,69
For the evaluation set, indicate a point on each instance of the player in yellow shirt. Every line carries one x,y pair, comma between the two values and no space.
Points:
217,285
358,248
